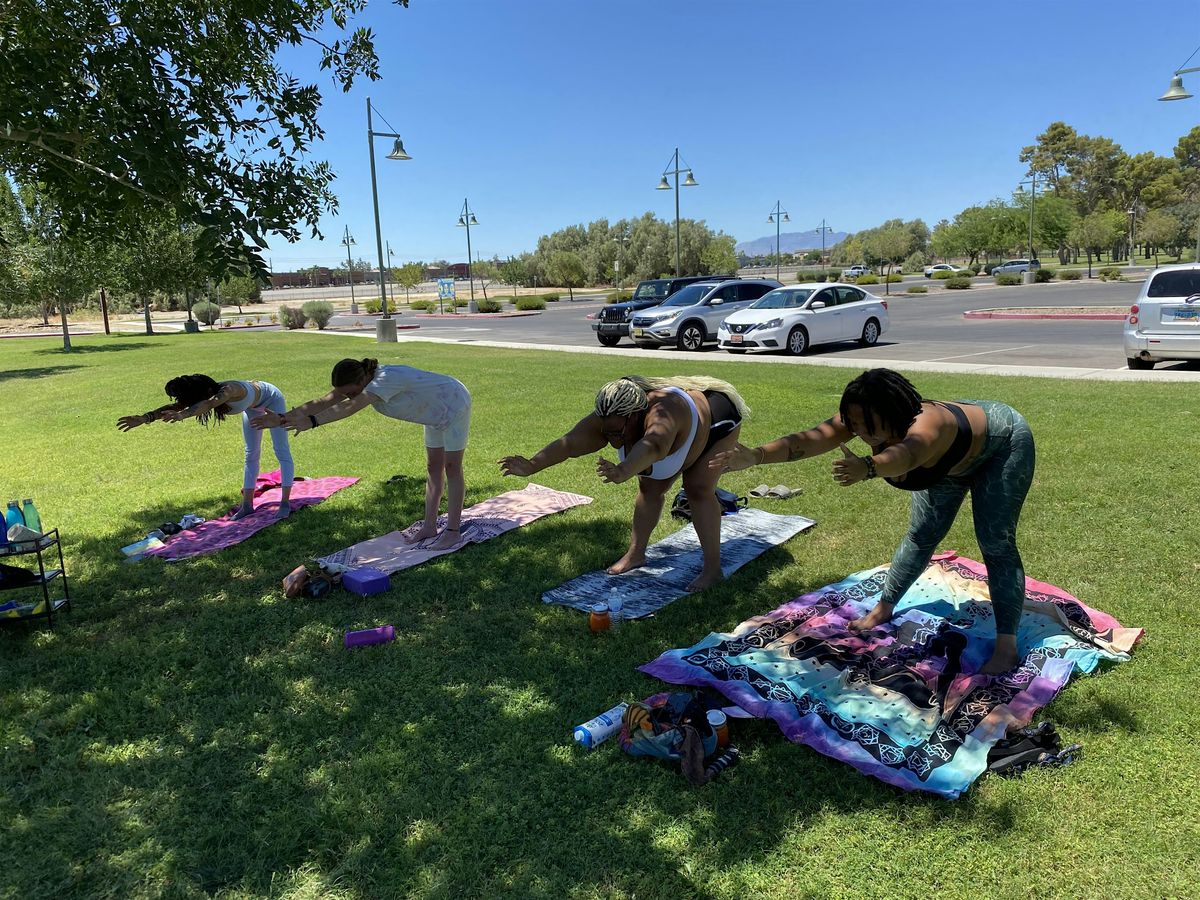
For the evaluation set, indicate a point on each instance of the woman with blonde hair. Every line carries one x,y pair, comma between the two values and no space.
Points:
441,403
661,428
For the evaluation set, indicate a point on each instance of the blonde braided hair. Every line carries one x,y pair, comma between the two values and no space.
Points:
627,395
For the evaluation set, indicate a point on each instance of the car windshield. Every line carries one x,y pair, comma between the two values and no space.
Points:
688,296
1181,283
650,290
783,298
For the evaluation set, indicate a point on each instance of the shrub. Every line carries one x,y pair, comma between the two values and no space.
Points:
917,289
1041,276
619,297
958,284
489,306
836,273
867,279
1008,279
422,304
292,317
1109,273
1069,274
943,274
460,302
273,319
319,312
373,307
207,313
550,298
528,303
916,262
894,278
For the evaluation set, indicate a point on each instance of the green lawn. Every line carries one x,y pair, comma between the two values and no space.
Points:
187,731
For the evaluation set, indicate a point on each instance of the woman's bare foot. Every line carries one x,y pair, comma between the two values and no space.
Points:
1004,658
627,563
705,579
426,532
446,540
879,615
244,510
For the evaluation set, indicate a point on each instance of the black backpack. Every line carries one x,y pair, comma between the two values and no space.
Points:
681,508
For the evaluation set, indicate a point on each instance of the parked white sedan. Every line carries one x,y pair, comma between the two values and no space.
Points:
941,267
796,317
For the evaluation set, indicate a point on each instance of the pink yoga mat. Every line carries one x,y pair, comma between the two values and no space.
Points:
496,515
217,534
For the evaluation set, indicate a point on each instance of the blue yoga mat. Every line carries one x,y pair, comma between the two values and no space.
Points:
671,564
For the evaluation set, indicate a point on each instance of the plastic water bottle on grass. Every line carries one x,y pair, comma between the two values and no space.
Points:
616,609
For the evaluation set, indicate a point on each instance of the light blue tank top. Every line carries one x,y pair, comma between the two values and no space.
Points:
247,402
669,466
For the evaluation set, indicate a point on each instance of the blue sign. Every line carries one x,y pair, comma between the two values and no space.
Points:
446,289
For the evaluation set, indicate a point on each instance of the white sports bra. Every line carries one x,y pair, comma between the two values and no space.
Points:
669,466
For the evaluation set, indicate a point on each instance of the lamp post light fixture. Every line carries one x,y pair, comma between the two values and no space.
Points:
1032,182
622,239
823,230
385,328
391,278
778,215
1176,92
466,219
665,185
1132,222
348,241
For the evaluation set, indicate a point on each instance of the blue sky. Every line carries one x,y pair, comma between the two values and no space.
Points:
548,113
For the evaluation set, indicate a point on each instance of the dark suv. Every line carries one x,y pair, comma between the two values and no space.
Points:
612,322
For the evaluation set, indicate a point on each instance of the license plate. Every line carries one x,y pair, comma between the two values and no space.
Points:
735,338
1182,314
638,332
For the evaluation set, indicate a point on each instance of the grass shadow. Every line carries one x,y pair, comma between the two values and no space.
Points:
40,372
91,348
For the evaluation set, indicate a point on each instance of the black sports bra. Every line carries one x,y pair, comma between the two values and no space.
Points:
927,476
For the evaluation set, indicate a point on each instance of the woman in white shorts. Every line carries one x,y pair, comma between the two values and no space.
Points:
441,403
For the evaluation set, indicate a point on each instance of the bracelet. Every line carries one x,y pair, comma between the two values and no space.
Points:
870,461
313,420
762,451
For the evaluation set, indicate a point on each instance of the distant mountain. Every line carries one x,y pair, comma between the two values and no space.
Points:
789,242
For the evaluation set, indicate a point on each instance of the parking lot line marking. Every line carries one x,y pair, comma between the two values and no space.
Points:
980,353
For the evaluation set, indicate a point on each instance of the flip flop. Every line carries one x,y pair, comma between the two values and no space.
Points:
783,492
761,491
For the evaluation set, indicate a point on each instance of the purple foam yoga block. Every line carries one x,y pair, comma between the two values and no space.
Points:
365,581
368,636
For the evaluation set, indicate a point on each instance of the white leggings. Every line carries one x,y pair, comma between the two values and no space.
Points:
272,400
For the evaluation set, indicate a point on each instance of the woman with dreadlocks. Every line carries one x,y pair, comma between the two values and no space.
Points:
201,397
661,428
939,451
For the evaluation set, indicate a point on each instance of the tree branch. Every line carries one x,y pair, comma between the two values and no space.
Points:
24,138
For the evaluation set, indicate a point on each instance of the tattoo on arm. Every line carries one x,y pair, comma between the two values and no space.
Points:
795,450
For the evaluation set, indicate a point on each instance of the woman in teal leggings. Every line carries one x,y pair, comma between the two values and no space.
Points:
939,451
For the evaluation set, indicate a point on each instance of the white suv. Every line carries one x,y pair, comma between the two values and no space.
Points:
1164,321
854,272
689,318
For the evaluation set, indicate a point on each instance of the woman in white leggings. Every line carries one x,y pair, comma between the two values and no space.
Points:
202,397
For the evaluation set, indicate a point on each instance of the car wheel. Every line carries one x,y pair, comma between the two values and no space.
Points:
870,333
797,341
1138,364
691,336
609,340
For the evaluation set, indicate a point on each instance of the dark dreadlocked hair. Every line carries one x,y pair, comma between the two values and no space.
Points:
351,371
884,395
188,390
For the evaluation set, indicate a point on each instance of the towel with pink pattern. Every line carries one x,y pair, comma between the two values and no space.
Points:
902,702
217,534
496,515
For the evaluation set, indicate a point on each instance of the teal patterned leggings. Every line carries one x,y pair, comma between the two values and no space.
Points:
998,480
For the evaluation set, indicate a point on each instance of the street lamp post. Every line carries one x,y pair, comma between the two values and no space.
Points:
777,215
385,328
466,219
622,240
1032,182
1132,220
665,185
1177,92
348,241
823,230
391,279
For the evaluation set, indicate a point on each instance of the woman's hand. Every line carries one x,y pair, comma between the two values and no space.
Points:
610,472
516,465
127,422
268,420
735,460
850,469
296,424
173,415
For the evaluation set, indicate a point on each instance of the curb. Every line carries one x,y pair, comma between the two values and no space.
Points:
1018,312
453,316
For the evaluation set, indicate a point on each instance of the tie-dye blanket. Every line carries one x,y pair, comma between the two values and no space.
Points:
392,552
673,562
901,702
217,534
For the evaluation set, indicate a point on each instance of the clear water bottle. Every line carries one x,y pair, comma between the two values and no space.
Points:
596,731
32,519
13,515
616,610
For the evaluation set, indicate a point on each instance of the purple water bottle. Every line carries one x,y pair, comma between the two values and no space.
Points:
368,636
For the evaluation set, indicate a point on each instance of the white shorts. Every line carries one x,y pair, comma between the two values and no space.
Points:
452,438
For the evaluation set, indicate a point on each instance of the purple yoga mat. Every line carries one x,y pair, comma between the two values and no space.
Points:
368,636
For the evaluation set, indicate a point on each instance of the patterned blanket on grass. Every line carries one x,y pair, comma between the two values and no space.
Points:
901,702
671,564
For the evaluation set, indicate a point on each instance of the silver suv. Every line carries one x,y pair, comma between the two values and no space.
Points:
690,317
1016,266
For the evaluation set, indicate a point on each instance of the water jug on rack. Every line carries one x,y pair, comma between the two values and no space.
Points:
32,519
13,515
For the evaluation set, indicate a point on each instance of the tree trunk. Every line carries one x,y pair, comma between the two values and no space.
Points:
62,312
146,310
45,313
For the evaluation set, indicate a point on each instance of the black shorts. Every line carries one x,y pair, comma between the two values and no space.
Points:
725,418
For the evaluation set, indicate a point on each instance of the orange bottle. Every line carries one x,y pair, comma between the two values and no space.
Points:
598,618
720,725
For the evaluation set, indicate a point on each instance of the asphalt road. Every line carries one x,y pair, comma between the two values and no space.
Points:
924,328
